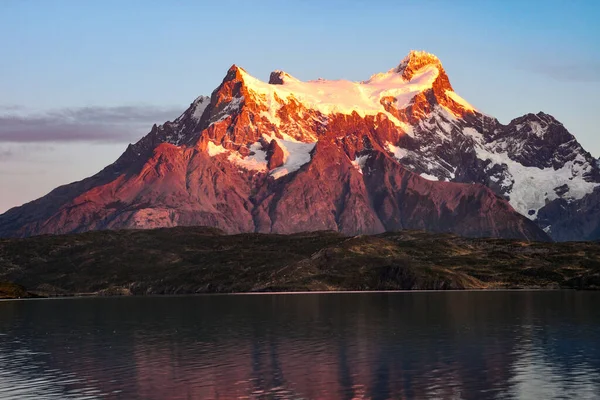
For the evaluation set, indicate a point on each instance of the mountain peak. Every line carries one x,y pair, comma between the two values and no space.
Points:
279,77
235,73
416,60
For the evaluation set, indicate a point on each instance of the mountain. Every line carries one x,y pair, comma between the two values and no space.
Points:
401,150
533,162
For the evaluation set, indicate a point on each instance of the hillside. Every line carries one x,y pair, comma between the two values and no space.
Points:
187,260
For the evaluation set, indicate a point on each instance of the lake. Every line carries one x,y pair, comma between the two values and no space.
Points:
413,345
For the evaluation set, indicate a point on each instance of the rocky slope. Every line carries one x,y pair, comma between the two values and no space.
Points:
204,260
534,162
9,290
400,150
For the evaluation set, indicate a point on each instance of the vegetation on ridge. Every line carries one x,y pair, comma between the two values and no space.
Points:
187,260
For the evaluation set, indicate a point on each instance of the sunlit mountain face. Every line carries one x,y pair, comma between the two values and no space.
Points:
398,150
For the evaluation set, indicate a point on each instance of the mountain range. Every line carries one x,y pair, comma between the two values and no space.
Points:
400,150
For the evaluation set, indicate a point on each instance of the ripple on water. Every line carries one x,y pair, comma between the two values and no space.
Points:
425,345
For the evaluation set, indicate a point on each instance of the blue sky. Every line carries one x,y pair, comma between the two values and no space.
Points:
93,62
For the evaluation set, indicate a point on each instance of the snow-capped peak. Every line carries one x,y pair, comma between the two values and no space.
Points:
339,96
414,61
279,77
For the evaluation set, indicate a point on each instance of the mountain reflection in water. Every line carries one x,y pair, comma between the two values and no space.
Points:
445,345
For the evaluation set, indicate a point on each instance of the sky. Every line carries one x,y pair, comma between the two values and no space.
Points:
79,80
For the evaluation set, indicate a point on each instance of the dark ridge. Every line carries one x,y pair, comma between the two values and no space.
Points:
187,260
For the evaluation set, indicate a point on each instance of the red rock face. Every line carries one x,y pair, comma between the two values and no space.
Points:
347,182
178,186
275,155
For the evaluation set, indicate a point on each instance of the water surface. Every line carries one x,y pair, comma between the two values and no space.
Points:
444,345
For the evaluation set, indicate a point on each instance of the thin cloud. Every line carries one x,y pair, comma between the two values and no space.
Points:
11,107
5,154
86,124
568,71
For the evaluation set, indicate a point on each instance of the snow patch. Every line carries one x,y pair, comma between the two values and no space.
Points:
231,108
359,162
441,118
473,133
429,177
398,152
256,161
200,105
454,96
213,149
537,129
532,187
295,155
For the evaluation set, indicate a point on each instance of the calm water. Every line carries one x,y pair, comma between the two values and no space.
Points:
468,345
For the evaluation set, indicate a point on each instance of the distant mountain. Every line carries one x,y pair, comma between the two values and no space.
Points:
400,150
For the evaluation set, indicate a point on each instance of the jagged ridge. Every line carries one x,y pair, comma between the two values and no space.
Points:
288,156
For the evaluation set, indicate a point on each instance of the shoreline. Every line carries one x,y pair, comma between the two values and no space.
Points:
317,292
